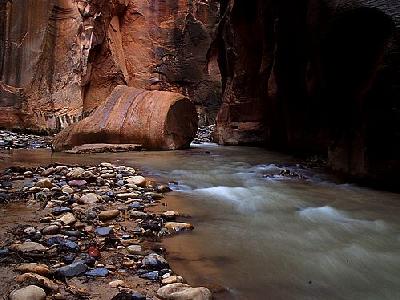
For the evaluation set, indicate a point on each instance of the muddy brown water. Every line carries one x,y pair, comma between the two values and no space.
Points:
270,237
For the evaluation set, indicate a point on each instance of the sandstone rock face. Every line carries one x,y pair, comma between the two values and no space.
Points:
322,74
157,120
60,59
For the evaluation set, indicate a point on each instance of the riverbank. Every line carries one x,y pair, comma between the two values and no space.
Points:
73,232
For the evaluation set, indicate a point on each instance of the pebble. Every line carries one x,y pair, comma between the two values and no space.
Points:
136,205
138,214
116,283
154,262
129,295
68,219
76,173
98,272
180,291
163,188
64,244
28,174
30,230
170,214
134,249
127,195
67,189
72,270
104,231
90,198
38,280
51,229
31,292
172,279
108,215
137,180
60,210
153,275
28,247
40,269
77,183
44,183
177,227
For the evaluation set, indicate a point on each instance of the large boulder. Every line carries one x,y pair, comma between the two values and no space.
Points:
156,119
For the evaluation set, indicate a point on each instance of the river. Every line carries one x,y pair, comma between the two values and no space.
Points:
267,237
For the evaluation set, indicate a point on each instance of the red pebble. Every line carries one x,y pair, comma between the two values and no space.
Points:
94,252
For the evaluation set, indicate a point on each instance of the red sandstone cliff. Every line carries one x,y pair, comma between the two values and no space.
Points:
60,59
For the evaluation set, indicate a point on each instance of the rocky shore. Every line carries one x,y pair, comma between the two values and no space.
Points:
95,235
12,140
204,134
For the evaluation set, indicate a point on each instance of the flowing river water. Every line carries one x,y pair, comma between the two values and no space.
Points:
267,237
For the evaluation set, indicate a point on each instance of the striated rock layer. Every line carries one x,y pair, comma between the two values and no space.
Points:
313,75
60,59
157,120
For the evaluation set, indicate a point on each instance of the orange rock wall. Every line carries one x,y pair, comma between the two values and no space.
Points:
60,59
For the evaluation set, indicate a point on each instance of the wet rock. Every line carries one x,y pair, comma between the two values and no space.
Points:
154,262
104,231
51,229
134,249
60,210
89,198
76,173
77,183
72,270
37,280
28,174
30,230
127,195
31,292
44,183
180,291
108,215
138,214
67,189
28,247
129,296
64,244
159,120
155,196
106,165
136,205
48,172
163,188
178,227
116,283
152,225
137,180
4,252
40,269
94,252
172,279
170,215
68,219
98,272
153,275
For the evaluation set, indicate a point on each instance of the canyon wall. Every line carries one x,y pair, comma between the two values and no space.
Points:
313,76
60,59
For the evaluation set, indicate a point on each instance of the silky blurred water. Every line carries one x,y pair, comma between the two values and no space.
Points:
259,235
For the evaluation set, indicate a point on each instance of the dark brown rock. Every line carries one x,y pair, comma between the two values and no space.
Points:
154,119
